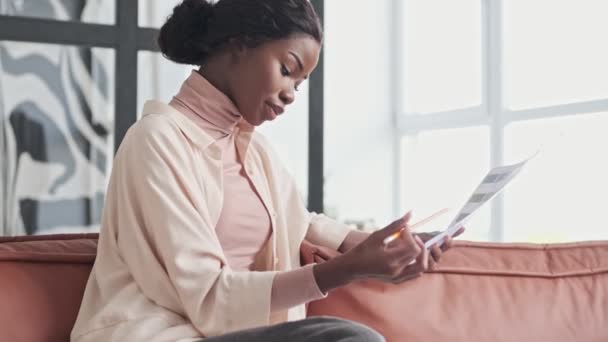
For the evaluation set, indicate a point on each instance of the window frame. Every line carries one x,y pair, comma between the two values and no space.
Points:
491,113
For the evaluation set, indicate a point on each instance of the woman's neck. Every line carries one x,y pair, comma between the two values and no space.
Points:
216,70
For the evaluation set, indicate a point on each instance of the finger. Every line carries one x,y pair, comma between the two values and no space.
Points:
406,277
421,262
392,237
323,254
409,272
423,258
447,244
432,264
413,270
459,231
395,227
407,217
318,259
405,248
435,253
419,242
425,236
404,238
407,236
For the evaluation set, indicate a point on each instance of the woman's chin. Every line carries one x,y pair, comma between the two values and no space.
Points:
264,119
255,121
259,119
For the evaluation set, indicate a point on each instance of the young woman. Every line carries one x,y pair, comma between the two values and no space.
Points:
202,225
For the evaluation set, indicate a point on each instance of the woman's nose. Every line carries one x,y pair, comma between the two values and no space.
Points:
287,96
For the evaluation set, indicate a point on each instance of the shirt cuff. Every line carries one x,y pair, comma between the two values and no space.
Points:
293,288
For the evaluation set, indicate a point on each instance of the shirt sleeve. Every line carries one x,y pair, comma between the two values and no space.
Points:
325,231
165,199
295,287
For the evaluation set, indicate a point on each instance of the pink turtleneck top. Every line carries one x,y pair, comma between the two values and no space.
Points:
244,226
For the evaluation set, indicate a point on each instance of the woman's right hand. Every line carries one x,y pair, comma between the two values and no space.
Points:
393,262
373,259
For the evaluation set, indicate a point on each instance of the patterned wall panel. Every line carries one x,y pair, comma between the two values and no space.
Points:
90,11
57,113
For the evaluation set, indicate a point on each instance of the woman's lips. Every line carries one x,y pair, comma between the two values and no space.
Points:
275,110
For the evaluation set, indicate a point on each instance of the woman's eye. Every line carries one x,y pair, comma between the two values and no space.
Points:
284,71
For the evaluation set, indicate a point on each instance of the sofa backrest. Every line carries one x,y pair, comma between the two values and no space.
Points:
42,281
479,292
488,292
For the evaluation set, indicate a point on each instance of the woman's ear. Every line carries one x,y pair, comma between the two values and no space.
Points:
238,49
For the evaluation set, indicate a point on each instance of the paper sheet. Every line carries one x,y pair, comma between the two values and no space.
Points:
489,187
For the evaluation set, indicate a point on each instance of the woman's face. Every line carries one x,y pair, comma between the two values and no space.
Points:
264,79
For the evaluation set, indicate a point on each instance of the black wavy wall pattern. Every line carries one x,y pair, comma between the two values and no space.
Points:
50,74
61,137
37,133
43,215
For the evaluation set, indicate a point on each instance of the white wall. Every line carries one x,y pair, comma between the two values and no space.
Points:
158,78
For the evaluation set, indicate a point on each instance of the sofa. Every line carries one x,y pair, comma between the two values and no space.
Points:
479,292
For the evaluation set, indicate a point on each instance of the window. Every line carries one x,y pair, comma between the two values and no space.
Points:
442,65
490,82
358,116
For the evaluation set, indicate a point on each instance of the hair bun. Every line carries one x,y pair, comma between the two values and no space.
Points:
199,8
182,36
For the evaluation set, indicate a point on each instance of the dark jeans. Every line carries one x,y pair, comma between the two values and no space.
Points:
317,329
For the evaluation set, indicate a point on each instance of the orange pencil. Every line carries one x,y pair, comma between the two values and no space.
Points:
393,236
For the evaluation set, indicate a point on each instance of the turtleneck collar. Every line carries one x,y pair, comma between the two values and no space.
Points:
208,106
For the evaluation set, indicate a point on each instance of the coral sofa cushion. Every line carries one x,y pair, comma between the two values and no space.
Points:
487,292
42,280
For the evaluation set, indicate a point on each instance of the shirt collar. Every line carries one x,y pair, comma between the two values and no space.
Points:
193,132
206,105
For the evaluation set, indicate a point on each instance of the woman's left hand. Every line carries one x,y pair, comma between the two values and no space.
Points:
355,237
436,251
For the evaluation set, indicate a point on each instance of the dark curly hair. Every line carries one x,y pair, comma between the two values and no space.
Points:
198,28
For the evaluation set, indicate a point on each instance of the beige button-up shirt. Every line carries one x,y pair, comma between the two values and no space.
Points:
160,273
